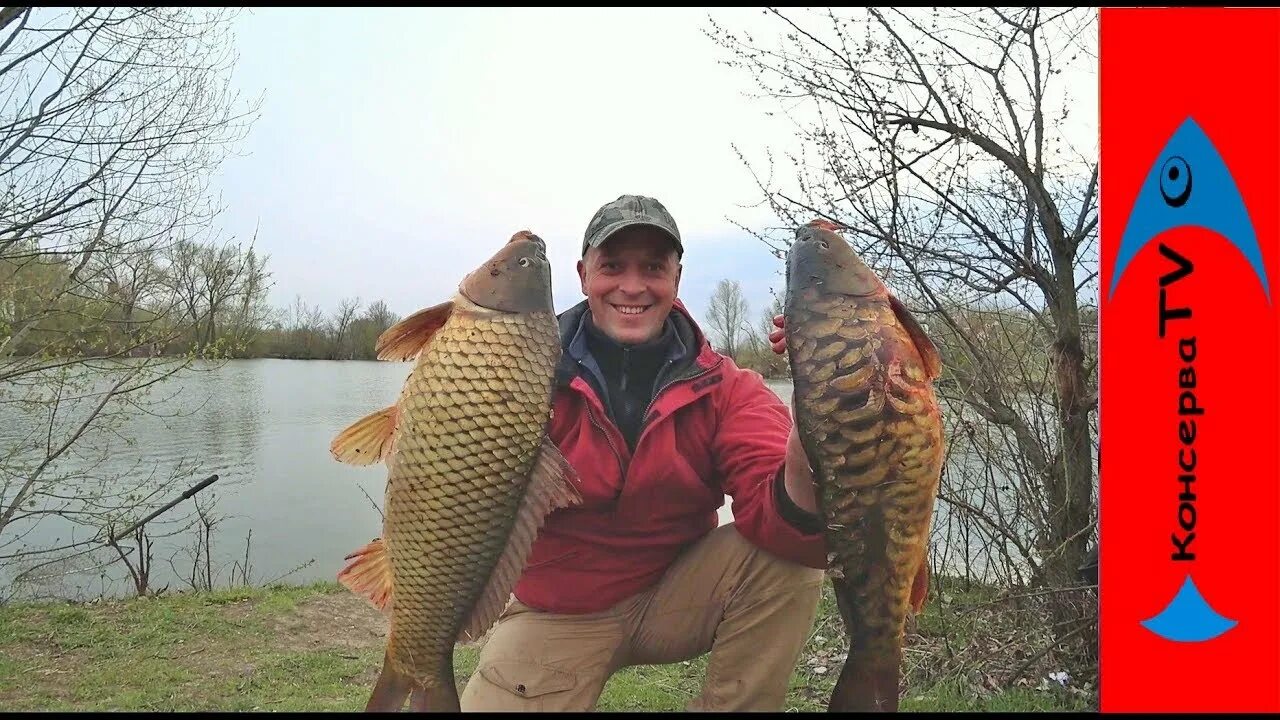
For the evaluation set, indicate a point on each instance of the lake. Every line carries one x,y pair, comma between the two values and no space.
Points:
264,427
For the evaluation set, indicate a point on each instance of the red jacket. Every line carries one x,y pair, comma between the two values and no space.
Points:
714,430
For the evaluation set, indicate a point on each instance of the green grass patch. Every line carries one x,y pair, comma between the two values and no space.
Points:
317,648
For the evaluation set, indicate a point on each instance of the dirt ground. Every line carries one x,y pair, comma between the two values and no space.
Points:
335,620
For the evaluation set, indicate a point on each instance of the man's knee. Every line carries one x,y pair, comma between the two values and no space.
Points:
764,568
535,662
515,685
766,621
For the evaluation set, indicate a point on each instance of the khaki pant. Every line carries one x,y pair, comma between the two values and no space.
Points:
750,609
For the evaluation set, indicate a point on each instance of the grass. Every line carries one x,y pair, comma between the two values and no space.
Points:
318,647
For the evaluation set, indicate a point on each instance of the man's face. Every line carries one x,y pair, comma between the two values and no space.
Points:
631,282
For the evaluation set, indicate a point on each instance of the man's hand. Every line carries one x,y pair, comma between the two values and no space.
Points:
777,338
798,475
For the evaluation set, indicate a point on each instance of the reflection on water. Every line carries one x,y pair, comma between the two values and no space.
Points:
264,427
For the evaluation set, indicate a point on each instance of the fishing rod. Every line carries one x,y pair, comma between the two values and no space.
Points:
197,488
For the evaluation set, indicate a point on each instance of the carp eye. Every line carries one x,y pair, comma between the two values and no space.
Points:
524,262
823,244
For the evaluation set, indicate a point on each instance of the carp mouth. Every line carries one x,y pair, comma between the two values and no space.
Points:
517,279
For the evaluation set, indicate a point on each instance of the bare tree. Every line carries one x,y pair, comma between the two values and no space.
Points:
932,135
225,273
366,329
134,290
770,364
216,283
185,283
112,119
342,322
727,316
307,329
250,312
776,307
380,316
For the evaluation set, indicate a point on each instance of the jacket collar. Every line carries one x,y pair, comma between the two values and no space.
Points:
690,352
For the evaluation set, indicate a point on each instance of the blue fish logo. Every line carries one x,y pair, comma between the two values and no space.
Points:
1189,185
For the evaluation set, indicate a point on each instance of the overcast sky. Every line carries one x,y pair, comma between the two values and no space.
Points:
397,148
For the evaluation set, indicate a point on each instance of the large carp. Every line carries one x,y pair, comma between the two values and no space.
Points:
471,474
869,422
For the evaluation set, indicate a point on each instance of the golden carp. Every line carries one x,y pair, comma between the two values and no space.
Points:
471,474
869,422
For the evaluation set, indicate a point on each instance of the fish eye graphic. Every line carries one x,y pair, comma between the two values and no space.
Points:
1175,181
1167,200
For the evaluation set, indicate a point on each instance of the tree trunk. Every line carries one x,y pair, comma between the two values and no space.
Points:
1071,480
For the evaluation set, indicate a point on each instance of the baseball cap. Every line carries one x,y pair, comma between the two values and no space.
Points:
626,211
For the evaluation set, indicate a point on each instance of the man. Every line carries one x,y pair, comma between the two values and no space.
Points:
660,428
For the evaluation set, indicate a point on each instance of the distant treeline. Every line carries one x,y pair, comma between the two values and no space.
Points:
1017,347
205,299
178,298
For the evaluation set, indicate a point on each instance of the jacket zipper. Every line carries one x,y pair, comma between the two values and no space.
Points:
592,417
663,389
622,377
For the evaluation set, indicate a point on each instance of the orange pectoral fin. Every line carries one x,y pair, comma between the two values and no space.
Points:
920,587
368,574
928,351
368,440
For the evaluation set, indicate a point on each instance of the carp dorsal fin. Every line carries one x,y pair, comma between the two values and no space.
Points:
368,440
553,485
928,351
368,574
825,224
407,338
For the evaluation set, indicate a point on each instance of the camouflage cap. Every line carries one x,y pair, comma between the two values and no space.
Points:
626,211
